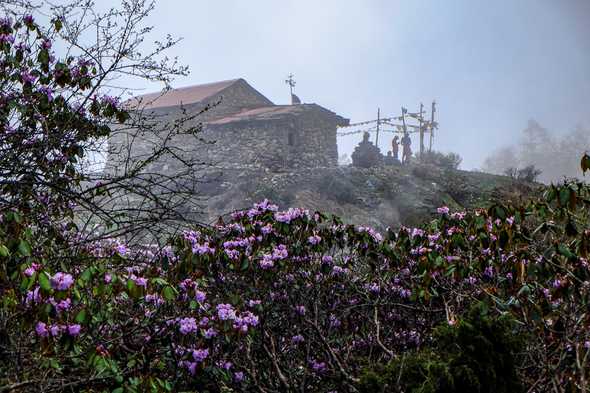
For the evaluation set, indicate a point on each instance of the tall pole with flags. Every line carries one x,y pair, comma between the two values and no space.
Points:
421,122
432,112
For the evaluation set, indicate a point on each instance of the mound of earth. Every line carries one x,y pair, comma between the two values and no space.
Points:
385,196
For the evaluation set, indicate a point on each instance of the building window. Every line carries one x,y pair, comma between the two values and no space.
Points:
291,138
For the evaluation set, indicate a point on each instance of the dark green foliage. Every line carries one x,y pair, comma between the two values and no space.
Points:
585,163
446,161
475,355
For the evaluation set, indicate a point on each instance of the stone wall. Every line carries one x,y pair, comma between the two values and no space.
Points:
303,139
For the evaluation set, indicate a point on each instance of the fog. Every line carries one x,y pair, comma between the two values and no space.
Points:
491,66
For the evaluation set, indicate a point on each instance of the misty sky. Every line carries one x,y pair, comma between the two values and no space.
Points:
491,65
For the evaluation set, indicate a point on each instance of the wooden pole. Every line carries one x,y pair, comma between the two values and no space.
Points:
404,119
378,124
432,124
420,119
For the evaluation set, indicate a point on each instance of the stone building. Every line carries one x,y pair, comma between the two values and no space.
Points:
244,128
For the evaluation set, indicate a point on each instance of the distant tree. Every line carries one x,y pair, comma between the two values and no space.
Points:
529,173
553,155
500,160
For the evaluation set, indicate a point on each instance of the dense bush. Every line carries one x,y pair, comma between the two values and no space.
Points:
475,354
276,300
446,161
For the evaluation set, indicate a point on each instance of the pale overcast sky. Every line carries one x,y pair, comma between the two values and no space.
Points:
490,65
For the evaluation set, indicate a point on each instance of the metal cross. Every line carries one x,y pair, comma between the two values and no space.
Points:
291,82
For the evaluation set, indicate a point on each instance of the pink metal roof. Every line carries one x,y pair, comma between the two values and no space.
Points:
184,95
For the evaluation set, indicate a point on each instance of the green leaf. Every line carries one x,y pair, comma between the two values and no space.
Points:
169,293
132,289
44,281
564,196
525,290
4,251
14,216
565,251
58,24
81,316
159,281
54,364
245,264
24,248
87,274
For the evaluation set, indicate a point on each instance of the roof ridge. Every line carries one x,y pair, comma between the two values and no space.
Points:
226,81
185,95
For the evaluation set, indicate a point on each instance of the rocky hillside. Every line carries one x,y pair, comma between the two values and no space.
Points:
380,197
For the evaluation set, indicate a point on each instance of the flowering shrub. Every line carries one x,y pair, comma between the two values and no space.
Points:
255,303
50,112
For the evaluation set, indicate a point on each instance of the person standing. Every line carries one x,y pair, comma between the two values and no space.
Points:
407,148
395,147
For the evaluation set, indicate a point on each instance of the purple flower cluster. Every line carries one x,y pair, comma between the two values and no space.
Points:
44,330
139,281
377,237
187,325
27,77
33,297
266,262
297,339
199,355
154,299
6,38
203,249
109,100
245,320
261,208
314,239
61,281
291,215
62,305
225,312
5,22
278,253
32,269
318,367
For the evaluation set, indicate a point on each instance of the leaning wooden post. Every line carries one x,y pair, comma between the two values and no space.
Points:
420,119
